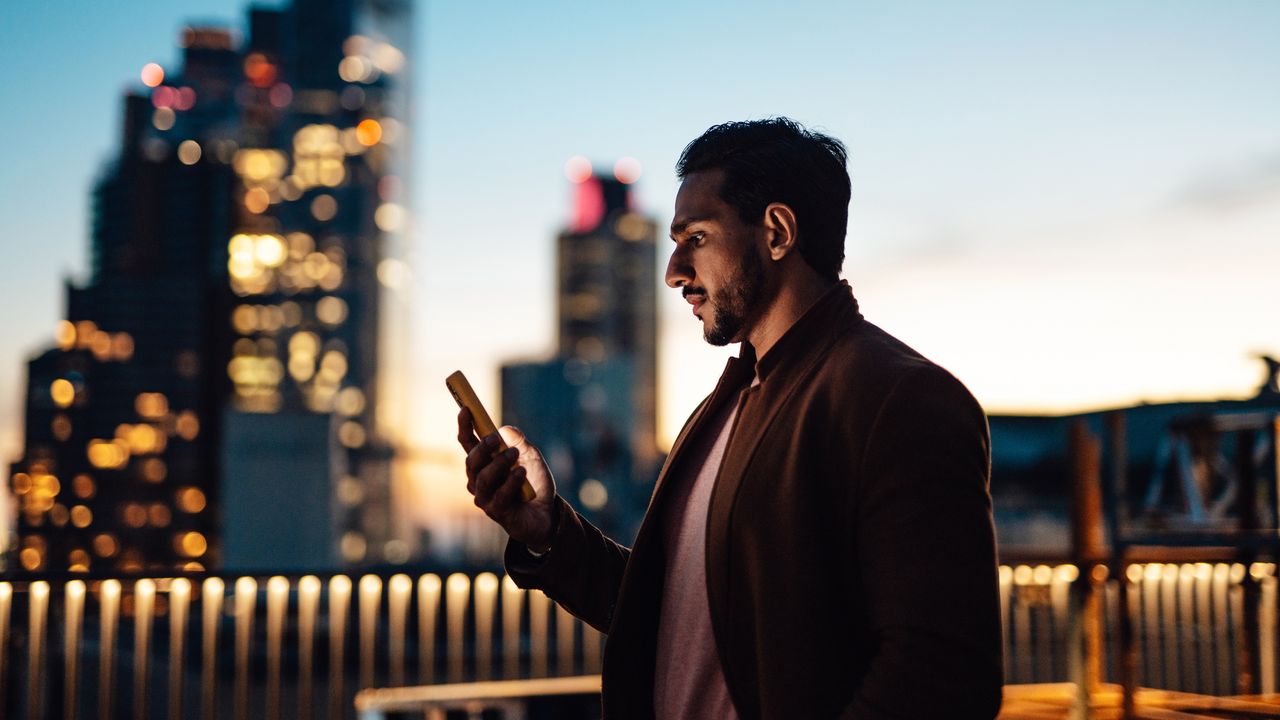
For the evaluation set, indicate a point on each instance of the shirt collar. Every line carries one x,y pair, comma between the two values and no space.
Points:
833,309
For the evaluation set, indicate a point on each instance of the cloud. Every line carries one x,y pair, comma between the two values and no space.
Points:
1233,187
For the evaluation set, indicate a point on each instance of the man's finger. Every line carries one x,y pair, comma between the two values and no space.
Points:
466,430
510,495
491,477
480,455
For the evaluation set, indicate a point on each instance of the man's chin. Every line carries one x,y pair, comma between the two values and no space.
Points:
716,335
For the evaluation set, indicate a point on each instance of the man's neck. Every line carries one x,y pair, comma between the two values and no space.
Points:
794,298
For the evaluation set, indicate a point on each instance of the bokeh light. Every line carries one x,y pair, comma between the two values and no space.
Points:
368,132
152,75
577,169
627,170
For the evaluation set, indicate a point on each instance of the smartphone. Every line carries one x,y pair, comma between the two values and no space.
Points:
466,398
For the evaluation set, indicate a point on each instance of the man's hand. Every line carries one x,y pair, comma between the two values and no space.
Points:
496,481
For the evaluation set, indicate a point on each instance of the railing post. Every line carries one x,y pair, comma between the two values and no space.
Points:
108,614
398,589
1128,669
179,602
1247,509
6,602
210,613
1118,500
144,598
73,606
1088,548
309,588
37,612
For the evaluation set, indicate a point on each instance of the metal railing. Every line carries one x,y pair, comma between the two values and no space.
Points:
269,646
1189,625
279,646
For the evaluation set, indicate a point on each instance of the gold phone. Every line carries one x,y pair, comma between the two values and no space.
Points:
466,398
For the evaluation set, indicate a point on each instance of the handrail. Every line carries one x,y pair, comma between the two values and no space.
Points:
426,697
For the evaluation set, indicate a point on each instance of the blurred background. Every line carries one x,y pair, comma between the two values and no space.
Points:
243,255
1072,208
246,244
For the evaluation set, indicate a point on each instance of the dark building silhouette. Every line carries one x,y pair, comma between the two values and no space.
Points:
212,400
1175,471
592,408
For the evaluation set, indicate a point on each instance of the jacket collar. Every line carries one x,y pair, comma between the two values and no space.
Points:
837,304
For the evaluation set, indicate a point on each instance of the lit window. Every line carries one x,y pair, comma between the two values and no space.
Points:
353,546
318,157
31,558
154,470
368,132
350,401
61,426
83,486
331,310
189,152
351,434
112,454
163,118
190,500
66,335
81,516
187,425
324,208
191,544
105,545
159,515
134,515
151,405
78,560
593,494
62,392
389,217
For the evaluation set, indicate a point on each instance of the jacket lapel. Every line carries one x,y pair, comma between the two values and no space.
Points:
736,372
629,653
780,371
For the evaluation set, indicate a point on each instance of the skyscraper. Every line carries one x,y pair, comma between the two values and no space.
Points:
592,408
215,386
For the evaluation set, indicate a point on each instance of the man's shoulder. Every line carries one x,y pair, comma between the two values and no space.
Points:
868,363
871,356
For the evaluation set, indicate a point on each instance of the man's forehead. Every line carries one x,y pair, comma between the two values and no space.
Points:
698,199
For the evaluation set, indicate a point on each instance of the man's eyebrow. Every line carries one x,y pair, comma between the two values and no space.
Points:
679,226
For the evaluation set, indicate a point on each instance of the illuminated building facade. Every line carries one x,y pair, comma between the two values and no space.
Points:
592,408
225,346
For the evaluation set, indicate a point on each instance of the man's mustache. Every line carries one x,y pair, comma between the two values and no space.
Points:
686,291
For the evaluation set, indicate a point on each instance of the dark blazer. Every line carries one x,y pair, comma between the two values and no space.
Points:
851,562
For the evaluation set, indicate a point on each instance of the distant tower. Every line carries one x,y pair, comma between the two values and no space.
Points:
213,399
593,408
1271,380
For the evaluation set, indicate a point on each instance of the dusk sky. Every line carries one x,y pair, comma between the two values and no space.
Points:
1069,205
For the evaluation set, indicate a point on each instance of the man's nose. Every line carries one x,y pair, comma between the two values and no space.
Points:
679,272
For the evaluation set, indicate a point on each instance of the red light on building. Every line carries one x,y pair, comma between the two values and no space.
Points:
588,205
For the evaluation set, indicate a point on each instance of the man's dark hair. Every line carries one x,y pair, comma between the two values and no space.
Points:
779,160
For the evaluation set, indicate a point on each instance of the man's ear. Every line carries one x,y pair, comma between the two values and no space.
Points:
780,230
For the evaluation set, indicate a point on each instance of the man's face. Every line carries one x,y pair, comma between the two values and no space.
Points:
716,261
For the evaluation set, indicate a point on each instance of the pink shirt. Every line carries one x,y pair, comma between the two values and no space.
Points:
688,680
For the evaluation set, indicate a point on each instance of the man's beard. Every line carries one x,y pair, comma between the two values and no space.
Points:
737,302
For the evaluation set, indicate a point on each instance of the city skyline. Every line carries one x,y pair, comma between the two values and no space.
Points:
1067,207
224,357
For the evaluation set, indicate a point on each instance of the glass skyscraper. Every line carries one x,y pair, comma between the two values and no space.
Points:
214,396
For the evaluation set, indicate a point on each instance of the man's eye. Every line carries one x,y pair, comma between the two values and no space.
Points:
697,239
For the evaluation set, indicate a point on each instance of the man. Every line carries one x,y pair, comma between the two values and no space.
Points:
819,543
